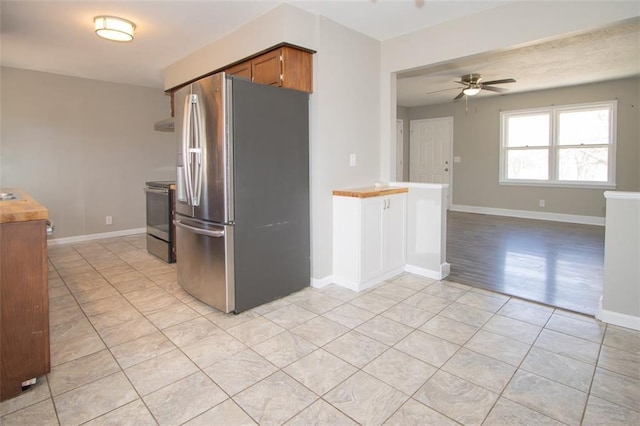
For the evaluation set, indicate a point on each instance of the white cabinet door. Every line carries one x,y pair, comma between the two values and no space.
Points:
394,232
372,238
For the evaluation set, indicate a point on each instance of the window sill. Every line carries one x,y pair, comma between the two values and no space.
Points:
599,185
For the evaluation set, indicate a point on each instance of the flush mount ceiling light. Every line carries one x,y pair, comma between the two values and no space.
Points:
114,28
471,91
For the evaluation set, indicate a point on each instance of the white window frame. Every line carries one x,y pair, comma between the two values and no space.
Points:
553,148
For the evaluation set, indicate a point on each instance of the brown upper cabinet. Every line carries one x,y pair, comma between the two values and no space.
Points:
284,66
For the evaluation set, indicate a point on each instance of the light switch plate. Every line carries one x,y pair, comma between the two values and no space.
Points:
352,160
456,159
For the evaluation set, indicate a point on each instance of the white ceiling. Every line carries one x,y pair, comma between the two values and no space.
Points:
57,36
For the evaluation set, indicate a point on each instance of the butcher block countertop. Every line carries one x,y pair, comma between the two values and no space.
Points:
21,209
370,191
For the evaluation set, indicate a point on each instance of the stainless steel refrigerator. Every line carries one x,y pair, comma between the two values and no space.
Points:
242,202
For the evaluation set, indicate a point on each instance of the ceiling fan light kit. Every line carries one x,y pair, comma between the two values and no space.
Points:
471,91
114,28
473,84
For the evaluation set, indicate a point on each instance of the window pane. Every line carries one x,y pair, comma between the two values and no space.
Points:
583,164
528,130
530,164
583,127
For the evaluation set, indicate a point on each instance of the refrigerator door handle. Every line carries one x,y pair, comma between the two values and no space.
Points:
196,150
206,232
186,139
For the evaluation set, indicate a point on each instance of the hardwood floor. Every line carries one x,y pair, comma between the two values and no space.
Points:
558,264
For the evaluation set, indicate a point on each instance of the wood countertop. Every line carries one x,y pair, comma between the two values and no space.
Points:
370,191
21,209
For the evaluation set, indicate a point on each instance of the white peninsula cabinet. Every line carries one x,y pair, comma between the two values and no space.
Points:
369,235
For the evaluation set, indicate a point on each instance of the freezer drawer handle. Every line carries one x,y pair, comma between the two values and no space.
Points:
200,231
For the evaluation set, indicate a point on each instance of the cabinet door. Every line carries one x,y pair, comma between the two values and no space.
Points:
266,69
394,233
372,244
242,69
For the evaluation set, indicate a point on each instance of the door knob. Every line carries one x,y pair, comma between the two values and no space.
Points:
446,170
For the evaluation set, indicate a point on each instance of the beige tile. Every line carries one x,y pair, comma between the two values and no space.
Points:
559,368
486,302
68,350
456,398
414,413
507,412
466,314
71,330
271,306
572,347
72,313
448,329
80,371
623,338
200,307
600,412
393,291
109,306
141,349
255,331
620,361
401,371
480,370
526,311
317,302
151,300
290,316
213,349
514,329
588,330
94,399
498,347
41,414
36,393
62,302
338,292
226,321
616,388
427,348
126,331
320,414
133,413
384,330
547,397
413,281
366,399
319,330
226,413
355,348
445,291
191,331
348,315
240,371
172,315
160,371
320,371
61,290
284,349
184,399
428,302
275,399
408,315
373,303
137,284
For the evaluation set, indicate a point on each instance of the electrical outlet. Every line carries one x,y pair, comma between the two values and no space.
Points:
108,220
352,160
541,203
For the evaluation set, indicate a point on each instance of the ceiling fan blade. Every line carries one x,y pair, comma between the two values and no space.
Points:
442,90
462,82
461,94
503,81
494,89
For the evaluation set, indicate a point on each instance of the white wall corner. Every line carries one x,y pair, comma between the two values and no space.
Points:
440,274
90,237
322,282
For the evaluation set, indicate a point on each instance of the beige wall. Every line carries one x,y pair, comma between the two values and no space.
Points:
83,148
402,113
477,142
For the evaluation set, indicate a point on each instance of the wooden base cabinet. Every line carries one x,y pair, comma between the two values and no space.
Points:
24,305
369,240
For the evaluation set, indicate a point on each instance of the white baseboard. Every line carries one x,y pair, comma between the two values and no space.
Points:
528,214
322,282
622,320
89,237
355,286
445,269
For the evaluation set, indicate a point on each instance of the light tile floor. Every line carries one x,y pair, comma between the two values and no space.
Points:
130,347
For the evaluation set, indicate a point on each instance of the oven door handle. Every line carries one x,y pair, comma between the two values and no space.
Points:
201,231
157,191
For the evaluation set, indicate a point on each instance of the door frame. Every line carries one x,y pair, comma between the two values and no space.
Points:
400,151
449,119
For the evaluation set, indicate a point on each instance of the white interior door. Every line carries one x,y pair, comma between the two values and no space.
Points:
399,150
430,150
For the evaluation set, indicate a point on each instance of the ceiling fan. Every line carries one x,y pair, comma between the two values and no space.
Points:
473,84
